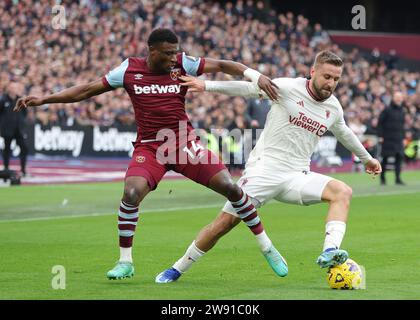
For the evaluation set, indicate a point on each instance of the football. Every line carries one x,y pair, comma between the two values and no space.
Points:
345,276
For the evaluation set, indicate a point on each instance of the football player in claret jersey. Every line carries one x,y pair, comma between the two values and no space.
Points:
153,86
278,166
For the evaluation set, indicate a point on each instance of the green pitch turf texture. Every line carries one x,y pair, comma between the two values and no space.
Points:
75,226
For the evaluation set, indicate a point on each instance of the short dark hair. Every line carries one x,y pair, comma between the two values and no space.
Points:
162,35
328,57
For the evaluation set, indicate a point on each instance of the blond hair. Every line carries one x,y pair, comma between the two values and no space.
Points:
328,57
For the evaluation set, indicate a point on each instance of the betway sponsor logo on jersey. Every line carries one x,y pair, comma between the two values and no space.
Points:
157,89
308,123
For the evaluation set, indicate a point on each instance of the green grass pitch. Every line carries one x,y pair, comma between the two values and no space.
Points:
75,226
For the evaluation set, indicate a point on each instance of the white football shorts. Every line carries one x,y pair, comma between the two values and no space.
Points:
301,187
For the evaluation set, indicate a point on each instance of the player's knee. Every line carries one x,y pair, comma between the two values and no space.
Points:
347,192
133,194
344,192
233,191
223,184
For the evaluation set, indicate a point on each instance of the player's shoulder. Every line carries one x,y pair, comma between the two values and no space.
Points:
286,83
192,65
187,57
136,61
186,60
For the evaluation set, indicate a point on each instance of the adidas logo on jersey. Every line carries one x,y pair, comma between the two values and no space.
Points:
157,89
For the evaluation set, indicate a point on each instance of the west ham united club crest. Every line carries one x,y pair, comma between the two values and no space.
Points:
140,159
175,73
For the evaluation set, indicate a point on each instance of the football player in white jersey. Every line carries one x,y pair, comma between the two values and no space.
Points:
278,166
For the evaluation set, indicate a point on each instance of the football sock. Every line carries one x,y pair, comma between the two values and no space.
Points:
125,255
128,216
248,214
191,255
334,233
263,241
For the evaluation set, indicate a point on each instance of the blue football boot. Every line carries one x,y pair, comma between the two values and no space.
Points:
169,275
332,257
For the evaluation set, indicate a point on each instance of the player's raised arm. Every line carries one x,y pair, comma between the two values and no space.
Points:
231,88
112,80
349,140
73,94
236,68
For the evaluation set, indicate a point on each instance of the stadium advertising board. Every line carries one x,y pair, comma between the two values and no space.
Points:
97,141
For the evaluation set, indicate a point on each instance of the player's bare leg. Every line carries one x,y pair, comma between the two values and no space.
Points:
209,235
135,189
338,195
205,240
242,205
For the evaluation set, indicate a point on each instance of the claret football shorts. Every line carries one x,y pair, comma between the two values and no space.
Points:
194,162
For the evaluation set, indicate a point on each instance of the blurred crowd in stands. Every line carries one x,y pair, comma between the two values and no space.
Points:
100,34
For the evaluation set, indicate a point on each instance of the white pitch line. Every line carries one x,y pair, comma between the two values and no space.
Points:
389,193
98,214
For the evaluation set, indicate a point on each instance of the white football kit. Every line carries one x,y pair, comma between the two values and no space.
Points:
279,165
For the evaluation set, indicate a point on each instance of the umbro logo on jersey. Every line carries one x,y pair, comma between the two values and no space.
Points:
138,76
301,103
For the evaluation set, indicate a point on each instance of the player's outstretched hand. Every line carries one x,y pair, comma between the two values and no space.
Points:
268,86
193,84
373,167
25,102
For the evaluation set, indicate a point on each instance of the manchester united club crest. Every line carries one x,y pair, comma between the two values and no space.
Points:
327,113
175,73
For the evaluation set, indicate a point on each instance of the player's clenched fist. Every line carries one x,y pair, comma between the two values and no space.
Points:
373,166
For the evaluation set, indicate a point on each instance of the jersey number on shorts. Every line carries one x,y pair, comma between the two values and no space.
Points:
195,147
